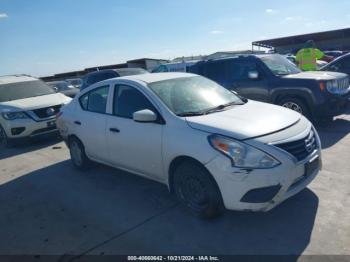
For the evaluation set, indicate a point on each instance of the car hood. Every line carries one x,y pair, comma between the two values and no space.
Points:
317,75
246,121
35,102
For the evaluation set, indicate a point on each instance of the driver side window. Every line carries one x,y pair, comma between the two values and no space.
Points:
128,100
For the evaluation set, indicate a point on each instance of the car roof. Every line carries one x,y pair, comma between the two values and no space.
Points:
9,79
129,69
156,77
236,56
116,70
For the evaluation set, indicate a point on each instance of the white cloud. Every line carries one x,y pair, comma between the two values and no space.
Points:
271,11
293,18
216,32
3,15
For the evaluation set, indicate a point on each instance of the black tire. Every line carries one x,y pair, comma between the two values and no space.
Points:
296,104
197,190
77,154
4,140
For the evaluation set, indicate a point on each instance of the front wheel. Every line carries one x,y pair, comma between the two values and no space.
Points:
197,190
297,105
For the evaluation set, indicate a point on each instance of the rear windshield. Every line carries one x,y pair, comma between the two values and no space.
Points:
100,76
21,90
131,71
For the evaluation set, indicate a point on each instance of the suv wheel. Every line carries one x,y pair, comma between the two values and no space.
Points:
196,189
77,154
295,104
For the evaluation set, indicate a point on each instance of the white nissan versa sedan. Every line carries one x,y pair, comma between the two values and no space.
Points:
28,108
212,148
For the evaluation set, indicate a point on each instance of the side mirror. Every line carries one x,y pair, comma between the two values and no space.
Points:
144,116
253,75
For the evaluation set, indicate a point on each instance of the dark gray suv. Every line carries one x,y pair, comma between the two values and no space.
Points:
273,79
94,77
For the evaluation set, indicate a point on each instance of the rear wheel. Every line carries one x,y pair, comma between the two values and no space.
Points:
77,153
4,141
297,105
197,190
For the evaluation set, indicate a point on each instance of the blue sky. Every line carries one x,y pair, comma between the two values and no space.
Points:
41,37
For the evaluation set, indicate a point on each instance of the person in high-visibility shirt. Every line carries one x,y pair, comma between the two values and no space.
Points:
307,57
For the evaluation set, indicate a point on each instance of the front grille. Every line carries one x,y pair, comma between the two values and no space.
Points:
343,85
301,148
47,111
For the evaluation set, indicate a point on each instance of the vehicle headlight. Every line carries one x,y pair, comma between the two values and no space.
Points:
332,86
241,154
14,115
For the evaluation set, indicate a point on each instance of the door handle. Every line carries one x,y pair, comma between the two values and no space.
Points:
77,123
114,130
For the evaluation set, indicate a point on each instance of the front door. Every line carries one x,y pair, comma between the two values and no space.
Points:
135,146
255,89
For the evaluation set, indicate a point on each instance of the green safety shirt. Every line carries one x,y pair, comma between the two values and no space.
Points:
307,58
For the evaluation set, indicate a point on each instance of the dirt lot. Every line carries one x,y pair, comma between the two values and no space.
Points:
47,207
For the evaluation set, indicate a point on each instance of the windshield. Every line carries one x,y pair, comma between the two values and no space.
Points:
21,90
190,95
280,65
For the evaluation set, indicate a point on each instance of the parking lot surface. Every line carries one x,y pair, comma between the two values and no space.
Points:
47,207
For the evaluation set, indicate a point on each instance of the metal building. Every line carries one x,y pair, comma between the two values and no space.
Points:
328,40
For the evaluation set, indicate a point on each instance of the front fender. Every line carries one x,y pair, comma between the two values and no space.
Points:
304,93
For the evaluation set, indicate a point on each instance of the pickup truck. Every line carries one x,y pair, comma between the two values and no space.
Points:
272,78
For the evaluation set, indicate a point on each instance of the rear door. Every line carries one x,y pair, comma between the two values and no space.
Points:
90,121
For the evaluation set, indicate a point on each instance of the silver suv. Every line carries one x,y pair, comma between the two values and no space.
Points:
28,108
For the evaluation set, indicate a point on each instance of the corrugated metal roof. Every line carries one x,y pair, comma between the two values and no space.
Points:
300,39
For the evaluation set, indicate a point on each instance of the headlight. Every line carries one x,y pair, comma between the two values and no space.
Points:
332,86
241,154
14,115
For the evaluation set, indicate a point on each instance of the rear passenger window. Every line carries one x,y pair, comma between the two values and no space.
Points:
227,71
95,100
223,71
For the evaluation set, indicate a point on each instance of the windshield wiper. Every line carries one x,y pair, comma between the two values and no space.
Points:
191,114
210,110
221,107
